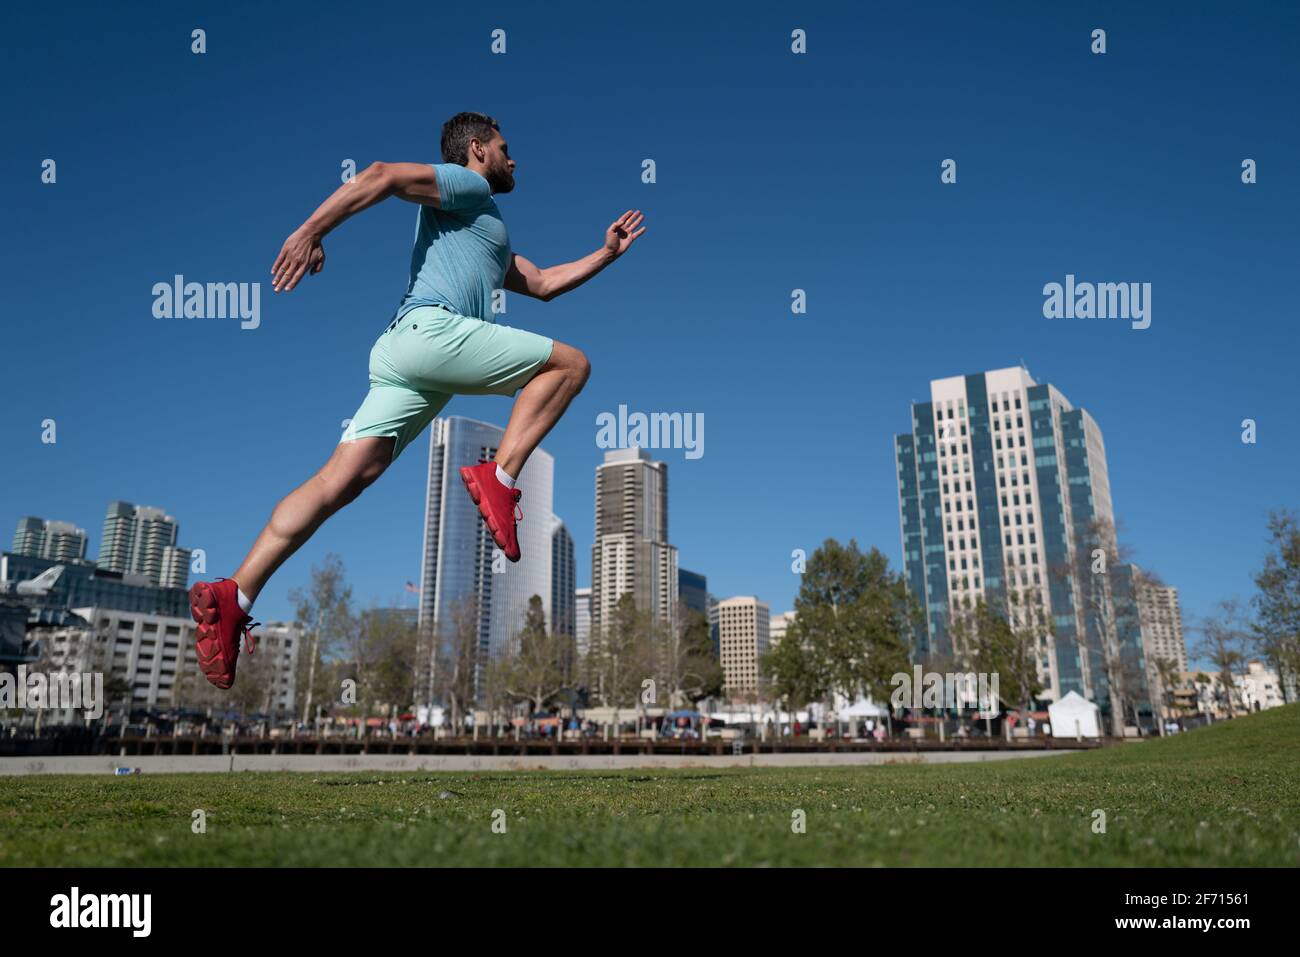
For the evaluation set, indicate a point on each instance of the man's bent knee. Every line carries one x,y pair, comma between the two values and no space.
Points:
573,362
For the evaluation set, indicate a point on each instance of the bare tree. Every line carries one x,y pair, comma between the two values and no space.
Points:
1224,637
458,661
534,667
325,610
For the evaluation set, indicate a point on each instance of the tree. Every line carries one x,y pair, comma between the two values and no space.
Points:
1276,630
1169,678
325,610
796,670
623,656
458,658
251,692
1107,612
852,628
535,668
1004,639
691,670
1223,643
383,656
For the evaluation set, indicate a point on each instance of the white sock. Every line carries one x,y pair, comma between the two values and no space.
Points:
245,603
504,478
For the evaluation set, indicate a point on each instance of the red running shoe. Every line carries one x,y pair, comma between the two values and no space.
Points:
215,606
496,503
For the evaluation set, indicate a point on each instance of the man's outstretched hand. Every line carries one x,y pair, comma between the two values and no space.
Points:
301,254
623,232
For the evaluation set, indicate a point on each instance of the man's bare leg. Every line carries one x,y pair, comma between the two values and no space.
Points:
352,467
540,404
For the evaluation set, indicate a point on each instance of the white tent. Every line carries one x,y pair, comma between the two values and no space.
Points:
861,708
1074,716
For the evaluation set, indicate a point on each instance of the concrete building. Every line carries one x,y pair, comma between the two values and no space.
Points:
778,627
631,553
51,540
278,646
1259,688
155,657
744,629
582,620
147,652
1162,624
141,539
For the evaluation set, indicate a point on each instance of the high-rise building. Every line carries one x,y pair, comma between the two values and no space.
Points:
744,628
1003,489
56,541
631,553
582,621
564,573
462,567
693,590
141,539
1162,624
714,634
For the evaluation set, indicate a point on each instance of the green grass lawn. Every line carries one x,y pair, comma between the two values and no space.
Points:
1225,795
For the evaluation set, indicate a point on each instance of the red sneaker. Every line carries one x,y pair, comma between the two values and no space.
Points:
496,503
215,606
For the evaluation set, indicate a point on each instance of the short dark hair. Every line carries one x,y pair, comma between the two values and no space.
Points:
459,130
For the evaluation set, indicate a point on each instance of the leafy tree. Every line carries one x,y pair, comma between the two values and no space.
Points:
1003,639
852,628
1276,631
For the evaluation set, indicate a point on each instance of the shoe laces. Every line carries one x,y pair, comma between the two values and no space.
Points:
249,641
519,512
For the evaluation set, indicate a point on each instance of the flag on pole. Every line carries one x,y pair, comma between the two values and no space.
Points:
413,588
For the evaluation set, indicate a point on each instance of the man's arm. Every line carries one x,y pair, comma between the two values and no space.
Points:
302,251
527,279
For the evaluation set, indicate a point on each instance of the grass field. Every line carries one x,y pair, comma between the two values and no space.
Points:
1224,795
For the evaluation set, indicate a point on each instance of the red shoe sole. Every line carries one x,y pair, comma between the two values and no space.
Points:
205,612
471,485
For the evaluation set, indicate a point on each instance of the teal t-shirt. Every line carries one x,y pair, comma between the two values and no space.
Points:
462,249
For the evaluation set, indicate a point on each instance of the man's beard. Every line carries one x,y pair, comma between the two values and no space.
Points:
501,182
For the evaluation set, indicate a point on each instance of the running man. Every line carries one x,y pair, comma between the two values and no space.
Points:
441,342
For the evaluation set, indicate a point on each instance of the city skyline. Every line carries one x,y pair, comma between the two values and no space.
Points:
908,278
149,517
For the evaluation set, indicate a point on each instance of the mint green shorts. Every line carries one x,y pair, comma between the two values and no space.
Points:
421,360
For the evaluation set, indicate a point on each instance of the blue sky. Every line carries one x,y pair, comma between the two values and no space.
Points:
775,172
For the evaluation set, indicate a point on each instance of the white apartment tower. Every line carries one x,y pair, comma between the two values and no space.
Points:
631,553
744,630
